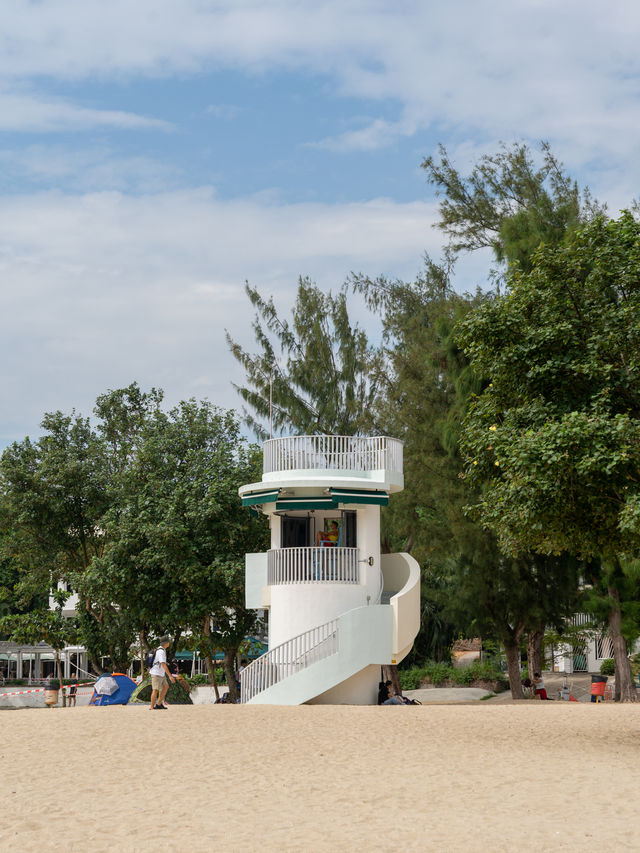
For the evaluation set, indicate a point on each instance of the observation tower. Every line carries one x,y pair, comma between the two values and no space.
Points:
338,608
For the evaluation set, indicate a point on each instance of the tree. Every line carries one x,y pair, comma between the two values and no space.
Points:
43,625
54,493
508,204
313,374
177,532
554,439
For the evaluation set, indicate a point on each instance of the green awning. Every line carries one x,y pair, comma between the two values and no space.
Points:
308,502
359,496
263,497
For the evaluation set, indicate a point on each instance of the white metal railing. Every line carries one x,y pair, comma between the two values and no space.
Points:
334,452
289,658
309,565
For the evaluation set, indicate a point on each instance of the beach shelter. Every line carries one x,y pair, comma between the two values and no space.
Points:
105,694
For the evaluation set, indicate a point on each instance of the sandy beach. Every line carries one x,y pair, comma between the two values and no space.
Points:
526,776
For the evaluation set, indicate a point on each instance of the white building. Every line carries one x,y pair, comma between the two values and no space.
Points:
337,610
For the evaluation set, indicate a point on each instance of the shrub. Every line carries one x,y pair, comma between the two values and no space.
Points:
438,672
608,667
410,679
195,680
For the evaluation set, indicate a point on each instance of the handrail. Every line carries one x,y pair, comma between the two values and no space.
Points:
333,452
288,658
312,565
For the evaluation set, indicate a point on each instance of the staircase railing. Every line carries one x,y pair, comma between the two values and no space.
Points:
288,658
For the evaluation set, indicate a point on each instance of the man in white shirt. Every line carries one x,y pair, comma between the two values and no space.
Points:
159,673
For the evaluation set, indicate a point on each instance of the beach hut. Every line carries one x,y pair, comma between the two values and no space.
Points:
105,693
338,608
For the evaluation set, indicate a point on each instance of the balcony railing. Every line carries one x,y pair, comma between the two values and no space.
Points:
288,658
309,565
332,452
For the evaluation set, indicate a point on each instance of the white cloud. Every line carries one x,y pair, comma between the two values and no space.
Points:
28,112
536,69
101,289
96,168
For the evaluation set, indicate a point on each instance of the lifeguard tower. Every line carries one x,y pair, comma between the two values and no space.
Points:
337,607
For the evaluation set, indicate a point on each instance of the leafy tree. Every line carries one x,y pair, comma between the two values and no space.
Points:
430,386
313,374
553,442
43,625
176,529
508,204
54,493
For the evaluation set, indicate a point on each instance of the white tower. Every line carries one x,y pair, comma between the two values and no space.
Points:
338,609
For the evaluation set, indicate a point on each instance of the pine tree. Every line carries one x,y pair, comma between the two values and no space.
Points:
314,374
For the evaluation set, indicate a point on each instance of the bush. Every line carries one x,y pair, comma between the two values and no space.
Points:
410,679
437,673
195,680
202,678
608,667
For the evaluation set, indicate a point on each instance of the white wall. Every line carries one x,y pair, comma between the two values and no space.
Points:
296,608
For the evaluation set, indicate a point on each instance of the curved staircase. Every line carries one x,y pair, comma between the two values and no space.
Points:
306,667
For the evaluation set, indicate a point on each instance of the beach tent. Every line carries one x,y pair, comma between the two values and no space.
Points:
120,696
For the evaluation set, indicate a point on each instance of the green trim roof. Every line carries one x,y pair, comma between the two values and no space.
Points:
263,497
359,496
306,502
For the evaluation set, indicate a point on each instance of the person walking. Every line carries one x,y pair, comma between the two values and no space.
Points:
159,673
73,692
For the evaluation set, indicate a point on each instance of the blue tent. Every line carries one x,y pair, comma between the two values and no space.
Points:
120,696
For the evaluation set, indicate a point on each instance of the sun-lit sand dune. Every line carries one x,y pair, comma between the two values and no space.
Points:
528,776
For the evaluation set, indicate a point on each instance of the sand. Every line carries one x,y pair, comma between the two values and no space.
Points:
527,776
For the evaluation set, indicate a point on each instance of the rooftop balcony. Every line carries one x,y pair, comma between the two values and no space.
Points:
348,455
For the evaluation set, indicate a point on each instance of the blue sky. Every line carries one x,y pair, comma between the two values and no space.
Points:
156,154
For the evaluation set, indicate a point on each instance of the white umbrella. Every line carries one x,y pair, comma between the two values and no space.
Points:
106,686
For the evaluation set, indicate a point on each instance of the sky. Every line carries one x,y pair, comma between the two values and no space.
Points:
156,155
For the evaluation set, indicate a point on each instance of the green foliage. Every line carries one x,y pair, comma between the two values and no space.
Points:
508,203
199,679
555,437
553,443
202,679
608,667
314,374
39,626
438,673
177,531
140,516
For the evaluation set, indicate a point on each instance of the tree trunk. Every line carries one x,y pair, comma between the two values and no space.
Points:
512,652
390,673
60,678
230,672
142,648
625,690
211,674
534,651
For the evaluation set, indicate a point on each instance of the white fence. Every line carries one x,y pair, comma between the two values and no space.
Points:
309,565
288,658
335,452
